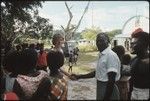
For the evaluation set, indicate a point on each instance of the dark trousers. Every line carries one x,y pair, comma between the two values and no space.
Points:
101,89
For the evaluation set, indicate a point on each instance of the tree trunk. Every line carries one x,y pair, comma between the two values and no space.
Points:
69,29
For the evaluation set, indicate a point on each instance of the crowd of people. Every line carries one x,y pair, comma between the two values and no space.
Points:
118,75
30,73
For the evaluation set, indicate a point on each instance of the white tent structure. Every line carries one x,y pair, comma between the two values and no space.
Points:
122,39
132,24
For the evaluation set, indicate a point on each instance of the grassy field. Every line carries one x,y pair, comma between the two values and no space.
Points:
82,66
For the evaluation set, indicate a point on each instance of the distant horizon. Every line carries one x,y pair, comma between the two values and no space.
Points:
106,15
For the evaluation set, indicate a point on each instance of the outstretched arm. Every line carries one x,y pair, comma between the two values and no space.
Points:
84,76
64,72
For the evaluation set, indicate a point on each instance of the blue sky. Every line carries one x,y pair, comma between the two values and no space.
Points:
107,15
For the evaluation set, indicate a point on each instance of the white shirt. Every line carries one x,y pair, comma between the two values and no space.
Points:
108,62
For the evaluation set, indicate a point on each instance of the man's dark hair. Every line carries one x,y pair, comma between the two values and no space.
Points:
105,36
55,60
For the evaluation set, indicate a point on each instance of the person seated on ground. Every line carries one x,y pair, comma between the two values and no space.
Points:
59,89
31,84
42,62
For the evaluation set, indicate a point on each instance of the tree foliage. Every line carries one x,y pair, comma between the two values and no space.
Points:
15,15
114,32
40,28
90,33
71,29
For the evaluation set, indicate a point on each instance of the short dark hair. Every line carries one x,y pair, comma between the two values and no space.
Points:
55,59
143,37
55,38
126,58
32,45
105,35
11,61
28,60
119,50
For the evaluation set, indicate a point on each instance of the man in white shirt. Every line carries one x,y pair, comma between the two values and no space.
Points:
107,71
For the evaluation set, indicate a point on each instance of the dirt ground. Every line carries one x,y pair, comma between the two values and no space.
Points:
83,89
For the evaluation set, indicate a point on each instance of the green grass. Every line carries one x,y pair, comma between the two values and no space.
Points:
82,66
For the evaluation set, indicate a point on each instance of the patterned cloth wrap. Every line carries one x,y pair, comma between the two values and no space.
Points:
29,85
59,88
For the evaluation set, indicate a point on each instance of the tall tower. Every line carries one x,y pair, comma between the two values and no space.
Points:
137,20
92,14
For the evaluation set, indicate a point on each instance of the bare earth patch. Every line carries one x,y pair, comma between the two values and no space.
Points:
83,89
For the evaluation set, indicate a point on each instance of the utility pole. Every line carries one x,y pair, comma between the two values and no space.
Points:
92,13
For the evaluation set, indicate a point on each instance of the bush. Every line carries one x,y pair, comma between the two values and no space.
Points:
87,48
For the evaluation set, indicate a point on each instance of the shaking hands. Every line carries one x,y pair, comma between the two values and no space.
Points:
74,77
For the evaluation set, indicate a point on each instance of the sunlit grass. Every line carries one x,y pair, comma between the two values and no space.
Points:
82,66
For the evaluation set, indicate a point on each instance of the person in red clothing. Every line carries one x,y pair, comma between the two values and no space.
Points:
9,96
42,61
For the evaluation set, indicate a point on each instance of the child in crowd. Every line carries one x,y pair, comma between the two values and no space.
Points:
42,62
70,61
55,60
123,83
